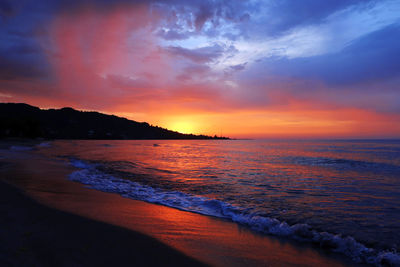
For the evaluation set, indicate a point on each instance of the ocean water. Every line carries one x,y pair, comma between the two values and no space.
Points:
342,196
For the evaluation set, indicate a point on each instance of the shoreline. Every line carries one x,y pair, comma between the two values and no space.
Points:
210,240
36,235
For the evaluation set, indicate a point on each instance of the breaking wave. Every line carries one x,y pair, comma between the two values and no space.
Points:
89,175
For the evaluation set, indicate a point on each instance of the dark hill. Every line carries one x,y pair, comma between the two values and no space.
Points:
25,121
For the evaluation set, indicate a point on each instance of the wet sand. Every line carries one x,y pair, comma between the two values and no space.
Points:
210,240
34,235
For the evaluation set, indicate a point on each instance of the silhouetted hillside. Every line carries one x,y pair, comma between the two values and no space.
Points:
23,120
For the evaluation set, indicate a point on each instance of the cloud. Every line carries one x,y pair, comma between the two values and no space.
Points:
173,34
372,57
11,69
126,82
22,61
204,56
238,67
6,9
273,18
198,55
193,72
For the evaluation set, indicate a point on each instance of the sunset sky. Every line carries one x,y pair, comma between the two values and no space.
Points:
236,68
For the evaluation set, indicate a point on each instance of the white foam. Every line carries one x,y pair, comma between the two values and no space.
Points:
81,164
89,175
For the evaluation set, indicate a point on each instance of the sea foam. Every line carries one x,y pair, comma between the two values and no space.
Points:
89,175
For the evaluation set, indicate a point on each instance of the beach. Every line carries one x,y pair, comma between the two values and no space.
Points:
35,235
51,218
187,133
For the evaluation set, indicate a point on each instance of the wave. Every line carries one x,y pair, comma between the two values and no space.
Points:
44,144
89,175
21,148
30,147
343,164
105,145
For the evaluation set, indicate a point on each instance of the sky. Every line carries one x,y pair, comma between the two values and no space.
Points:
244,69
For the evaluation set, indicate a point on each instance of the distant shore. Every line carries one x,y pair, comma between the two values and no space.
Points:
38,235
26,121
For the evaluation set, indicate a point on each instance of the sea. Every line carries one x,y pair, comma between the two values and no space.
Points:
339,195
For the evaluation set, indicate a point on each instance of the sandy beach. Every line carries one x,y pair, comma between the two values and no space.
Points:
35,235
57,222
200,133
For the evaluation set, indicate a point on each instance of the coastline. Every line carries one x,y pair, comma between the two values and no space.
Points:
210,240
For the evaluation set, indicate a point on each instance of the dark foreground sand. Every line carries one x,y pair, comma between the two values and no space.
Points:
119,231
34,235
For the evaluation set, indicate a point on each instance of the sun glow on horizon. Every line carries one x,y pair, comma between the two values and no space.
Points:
185,127
264,71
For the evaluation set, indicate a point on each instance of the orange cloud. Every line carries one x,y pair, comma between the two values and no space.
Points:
112,61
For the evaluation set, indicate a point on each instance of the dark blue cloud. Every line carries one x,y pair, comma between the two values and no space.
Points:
6,9
23,60
370,58
198,55
183,19
21,53
373,57
251,19
21,22
281,16
173,34
238,67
